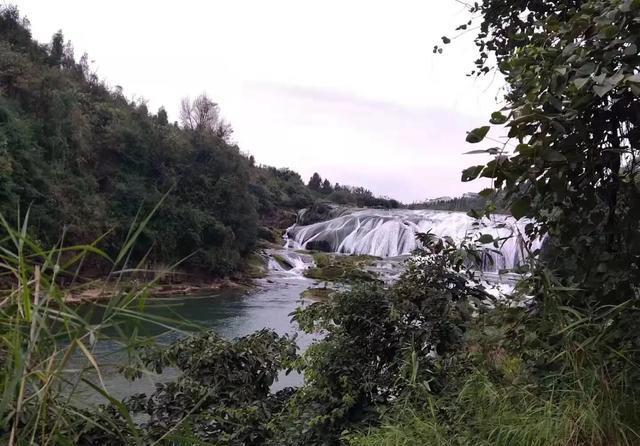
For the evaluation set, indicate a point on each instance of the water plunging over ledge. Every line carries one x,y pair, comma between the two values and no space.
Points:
392,233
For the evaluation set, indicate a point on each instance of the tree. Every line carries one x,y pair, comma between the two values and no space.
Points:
56,51
326,187
572,110
163,119
81,155
315,182
203,115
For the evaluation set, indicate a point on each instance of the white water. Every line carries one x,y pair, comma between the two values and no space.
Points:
296,263
393,233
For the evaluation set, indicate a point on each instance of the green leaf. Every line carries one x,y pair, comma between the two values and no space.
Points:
635,78
491,151
626,6
498,118
631,50
477,135
446,40
520,208
580,82
615,79
602,90
485,238
587,69
525,150
553,156
609,32
471,173
561,70
486,192
474,214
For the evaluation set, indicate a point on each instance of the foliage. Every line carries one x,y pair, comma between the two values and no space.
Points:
84,156
279,193
361,197
202,115
380,343
561,368
495,395
49,347
223,391
341,268
315,182
572,109
459,204
51,361
429,360
348,195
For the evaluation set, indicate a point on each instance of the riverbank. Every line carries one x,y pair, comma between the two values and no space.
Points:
101,290
162,283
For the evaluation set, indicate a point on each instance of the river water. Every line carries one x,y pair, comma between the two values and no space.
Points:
235,313
231,313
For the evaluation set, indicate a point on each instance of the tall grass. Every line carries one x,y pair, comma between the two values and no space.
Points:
585,412
581,392
47,344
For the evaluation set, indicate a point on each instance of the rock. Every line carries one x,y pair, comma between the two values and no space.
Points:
266,233
320,211
319,245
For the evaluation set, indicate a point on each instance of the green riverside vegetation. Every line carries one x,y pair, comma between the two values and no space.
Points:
432,359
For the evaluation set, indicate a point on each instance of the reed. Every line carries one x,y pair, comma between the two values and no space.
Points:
48,342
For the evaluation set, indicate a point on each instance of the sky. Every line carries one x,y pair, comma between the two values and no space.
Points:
348,89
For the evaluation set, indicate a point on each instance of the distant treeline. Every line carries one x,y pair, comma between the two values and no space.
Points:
86,161
464,203
349,195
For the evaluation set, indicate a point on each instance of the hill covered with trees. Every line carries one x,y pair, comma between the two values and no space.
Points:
83,158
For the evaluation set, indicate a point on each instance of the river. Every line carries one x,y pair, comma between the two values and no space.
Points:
231,313
235,313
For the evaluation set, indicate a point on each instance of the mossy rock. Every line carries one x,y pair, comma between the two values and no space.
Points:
320,293
269,234
256,266
347,261
282,262
341,268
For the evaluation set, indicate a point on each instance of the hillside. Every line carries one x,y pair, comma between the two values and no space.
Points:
85,161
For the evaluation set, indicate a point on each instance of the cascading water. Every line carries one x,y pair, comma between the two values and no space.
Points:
393,233
285,262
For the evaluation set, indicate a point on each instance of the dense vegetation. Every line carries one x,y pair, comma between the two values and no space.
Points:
460,204
432,359
349,195
85,158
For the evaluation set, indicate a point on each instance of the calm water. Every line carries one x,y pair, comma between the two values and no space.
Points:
231,313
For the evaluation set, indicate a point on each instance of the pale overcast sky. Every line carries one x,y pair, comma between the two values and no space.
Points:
349,89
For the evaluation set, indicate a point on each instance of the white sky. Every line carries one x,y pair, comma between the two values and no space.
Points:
349,89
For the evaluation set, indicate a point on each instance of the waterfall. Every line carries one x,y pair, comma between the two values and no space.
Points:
393,233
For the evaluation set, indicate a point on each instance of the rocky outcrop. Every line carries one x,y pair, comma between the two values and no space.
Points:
321,211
